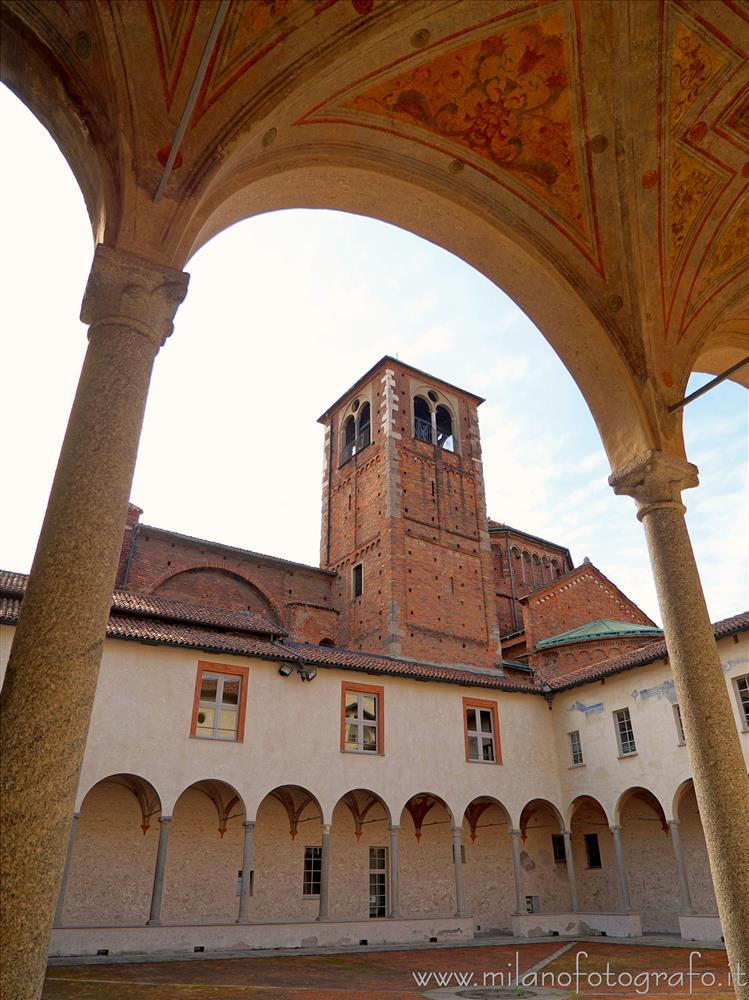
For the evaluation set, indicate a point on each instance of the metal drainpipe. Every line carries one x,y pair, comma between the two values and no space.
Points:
512,582
330,493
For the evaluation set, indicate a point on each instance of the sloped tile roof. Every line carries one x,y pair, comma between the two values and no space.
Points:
127,622
167,609
641,657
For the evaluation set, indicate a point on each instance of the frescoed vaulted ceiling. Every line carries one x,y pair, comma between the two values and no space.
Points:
594,151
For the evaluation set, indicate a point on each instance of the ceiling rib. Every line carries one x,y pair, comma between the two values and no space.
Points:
197,83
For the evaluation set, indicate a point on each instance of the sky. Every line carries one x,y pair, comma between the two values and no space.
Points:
285,311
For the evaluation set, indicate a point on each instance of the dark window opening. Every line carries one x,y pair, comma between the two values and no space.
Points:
445,437
422,420
326,642
557,843
356,431
592,850
357,580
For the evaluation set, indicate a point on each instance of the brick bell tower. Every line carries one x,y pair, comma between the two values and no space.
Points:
404,519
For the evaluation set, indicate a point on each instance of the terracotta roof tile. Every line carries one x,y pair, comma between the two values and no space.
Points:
148,606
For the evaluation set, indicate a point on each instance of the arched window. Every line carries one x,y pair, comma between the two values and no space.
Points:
433,422
422,420
363,438
356,431
444,425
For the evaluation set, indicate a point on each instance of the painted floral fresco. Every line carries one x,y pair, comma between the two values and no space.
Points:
506,98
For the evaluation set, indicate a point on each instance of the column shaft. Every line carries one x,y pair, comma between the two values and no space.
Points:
621,870
570,869
656,481
52,671
685,898
460,900
324,873
65,872
244,892
394,872
159,871
518,872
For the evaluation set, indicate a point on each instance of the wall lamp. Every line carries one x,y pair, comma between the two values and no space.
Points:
305,670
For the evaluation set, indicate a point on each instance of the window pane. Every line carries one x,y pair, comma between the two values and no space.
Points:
471,719
368,707
204,725
376,857
230,695
486,721
352,737
487,745
208,686
473,748
352,705
227,724
370,738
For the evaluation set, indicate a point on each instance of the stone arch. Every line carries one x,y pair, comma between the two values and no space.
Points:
534,806
360,183
178,585
577,803
691,834
488,865
651,867
427,880
645,795
114,852
360,802
592,847
205,853
681,792
288,831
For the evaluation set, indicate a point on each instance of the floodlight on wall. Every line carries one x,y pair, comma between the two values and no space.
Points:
307,672
285,669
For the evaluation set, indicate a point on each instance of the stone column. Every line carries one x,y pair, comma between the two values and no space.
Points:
52,671
655,480
324,872
570,869
518,870
65,872
621,870
394,862
685,898
244,892
460,896
159,871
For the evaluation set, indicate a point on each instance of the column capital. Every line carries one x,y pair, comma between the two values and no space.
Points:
326,829
248,823
513,832
614,828
567,834
124,289
671,823
393,827
655,481
76,815
165,819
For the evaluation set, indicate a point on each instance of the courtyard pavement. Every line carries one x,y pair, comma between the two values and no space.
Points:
626,971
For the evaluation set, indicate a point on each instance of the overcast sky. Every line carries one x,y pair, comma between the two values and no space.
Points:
284,312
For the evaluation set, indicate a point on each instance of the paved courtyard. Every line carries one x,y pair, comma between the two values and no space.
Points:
606,969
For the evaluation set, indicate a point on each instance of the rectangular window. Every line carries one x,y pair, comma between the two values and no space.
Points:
532,904
592,850
576,749
378,864
624,733
481,731
219,702
362,708
741,684
679,726
357,581
239,882
312,869
557,844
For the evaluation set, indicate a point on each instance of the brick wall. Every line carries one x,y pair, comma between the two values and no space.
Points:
581,597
